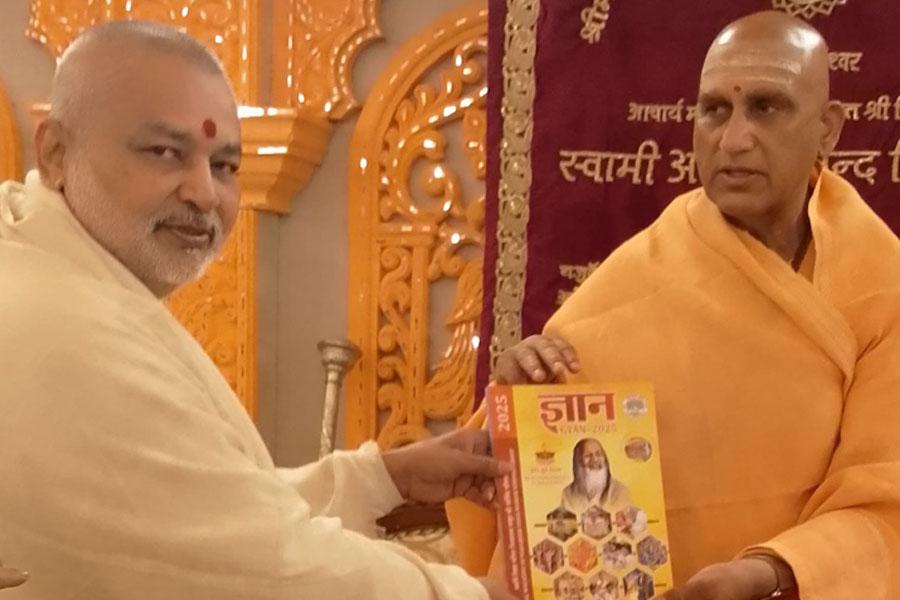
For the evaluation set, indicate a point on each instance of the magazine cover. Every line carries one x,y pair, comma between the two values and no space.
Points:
583,513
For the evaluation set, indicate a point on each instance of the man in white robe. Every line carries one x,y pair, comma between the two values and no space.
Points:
128,468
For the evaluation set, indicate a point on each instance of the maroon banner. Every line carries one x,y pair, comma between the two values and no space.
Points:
591,110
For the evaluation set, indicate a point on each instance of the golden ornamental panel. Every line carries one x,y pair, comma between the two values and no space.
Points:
55,23
417,220
10,144
227,27
315,43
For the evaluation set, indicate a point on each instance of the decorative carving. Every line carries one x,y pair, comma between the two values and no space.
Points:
228,27
281,148
807,8
316,42
10,144
515,173
55,23
412,224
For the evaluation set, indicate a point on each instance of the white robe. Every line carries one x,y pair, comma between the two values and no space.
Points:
128,468
576,500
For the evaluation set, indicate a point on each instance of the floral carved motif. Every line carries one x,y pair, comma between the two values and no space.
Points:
417,222
225,26
316,43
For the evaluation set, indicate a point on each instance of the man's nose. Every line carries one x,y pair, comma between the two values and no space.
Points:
199,187
737,136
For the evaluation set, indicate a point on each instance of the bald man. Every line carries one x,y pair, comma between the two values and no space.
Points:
765,310
128,468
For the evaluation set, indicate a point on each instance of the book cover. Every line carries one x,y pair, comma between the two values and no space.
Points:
582,516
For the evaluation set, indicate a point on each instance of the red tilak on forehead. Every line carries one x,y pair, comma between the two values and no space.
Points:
209,128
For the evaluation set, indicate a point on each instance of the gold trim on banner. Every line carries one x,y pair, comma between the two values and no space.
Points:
807,8
520,45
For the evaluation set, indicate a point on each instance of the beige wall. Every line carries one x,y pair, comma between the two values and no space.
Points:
303,267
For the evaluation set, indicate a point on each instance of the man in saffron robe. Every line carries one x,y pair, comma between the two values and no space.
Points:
765,310
129,469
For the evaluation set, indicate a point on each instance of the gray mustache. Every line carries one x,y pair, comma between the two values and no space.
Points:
193,221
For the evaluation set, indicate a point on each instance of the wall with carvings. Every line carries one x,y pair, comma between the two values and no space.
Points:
313,259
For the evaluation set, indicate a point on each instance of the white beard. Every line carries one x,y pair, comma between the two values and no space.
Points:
139,252
594,481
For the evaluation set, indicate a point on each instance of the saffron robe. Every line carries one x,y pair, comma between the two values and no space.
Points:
778,392
128,468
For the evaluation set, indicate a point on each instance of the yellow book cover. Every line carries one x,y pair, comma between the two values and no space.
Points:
582,516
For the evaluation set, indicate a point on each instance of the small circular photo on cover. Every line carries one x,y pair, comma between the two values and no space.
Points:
638,448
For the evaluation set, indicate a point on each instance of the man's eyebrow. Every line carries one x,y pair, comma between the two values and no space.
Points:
776,96
166,130
229,151
159,128
706,97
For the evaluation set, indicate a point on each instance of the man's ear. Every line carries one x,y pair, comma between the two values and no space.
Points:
50,142
833,118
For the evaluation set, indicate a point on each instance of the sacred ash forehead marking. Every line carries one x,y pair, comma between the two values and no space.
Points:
752,58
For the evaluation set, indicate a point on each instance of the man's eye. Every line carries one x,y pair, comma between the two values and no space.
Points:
225,167
764,107
166,152
713,110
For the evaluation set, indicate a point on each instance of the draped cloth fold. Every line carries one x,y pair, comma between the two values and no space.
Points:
129,469
778,391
